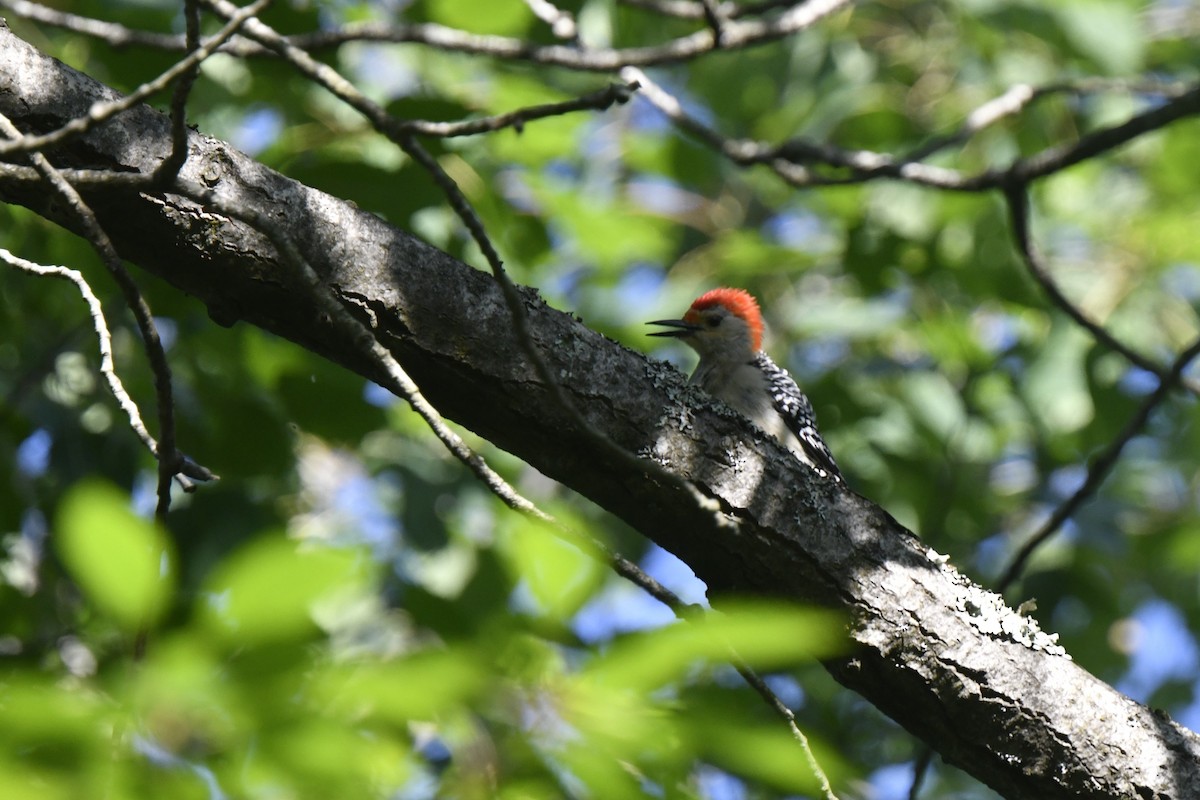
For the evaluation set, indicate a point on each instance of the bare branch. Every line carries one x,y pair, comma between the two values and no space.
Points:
99,112
1012,102
1055,159
1099,467
173,162
171,463
599,100
1021,96
110,32
866,165
792,161
1018,206
788,160
80,178
779,707
561,23
103,339
716,21
920,769
695,9
738,34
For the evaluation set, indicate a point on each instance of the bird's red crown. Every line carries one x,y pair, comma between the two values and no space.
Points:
737,301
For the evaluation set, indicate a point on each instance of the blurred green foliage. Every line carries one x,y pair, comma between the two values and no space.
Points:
348,614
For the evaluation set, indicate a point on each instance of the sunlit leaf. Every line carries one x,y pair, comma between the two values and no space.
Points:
18,779
498,17
182,697
935,403
37,712
265,592
417,687
327,753
760,634
1108,32
1056,384
559,576
764,753
120,560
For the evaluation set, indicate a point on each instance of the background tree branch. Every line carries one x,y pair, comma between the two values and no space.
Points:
944,658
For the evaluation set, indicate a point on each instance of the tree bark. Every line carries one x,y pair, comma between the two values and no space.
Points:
944,658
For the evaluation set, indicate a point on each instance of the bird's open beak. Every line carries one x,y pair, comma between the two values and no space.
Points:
681,328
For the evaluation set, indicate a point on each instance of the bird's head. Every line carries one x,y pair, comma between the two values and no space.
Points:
723,322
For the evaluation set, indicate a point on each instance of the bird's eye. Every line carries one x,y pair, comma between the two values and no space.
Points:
713,321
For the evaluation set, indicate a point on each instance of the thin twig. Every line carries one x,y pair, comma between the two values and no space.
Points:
716,21
103,339
167,169
171,165
863,166
1099,467
600,100
109,32
794,161
1012,102
789,160
561,23
737,34
99,112
920,770
1058,158
401,131
694,9
176,462
771,699
1020,97
1017,197
80,178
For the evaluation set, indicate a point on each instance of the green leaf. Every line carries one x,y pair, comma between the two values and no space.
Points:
419,687
1109,33
266,591
37,712
498,17
326,753
559,577
1056,384
936,403
609,233
760,634
767,754
123,563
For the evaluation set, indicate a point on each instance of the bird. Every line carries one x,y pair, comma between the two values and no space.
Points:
725,327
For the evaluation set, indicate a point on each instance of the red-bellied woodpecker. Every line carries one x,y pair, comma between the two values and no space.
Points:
725,327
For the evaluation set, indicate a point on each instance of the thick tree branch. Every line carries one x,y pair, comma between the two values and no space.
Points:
943,657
